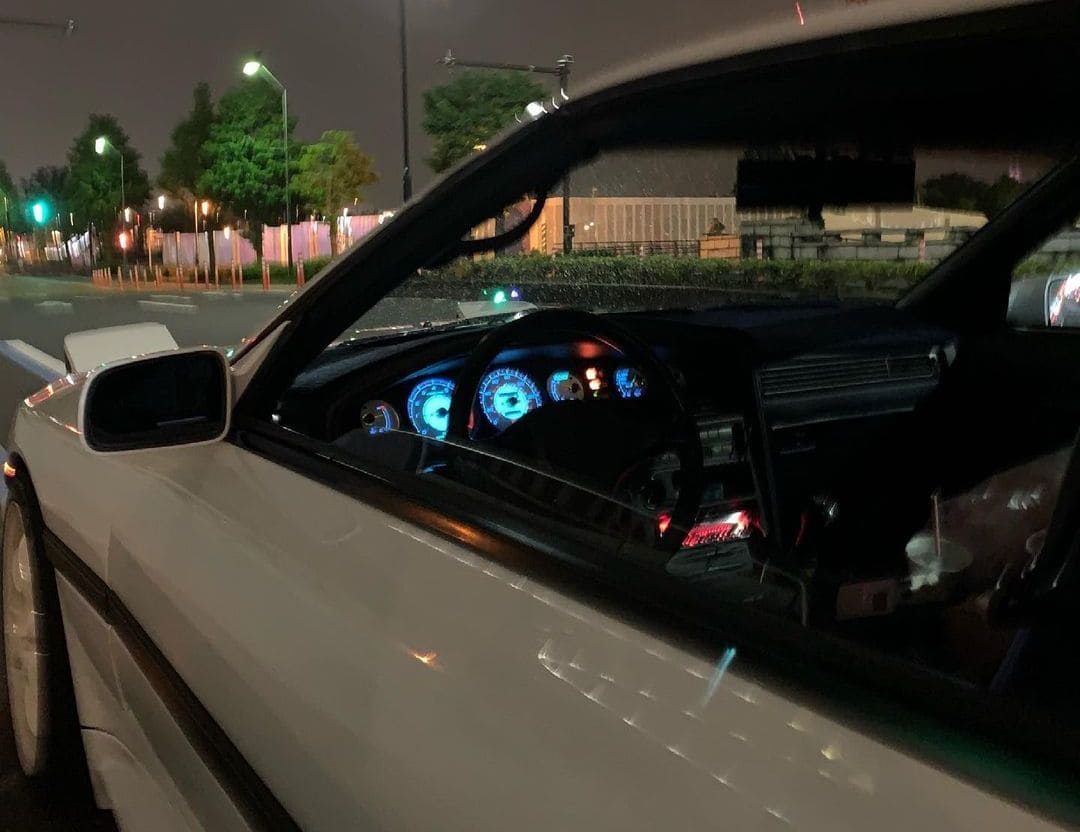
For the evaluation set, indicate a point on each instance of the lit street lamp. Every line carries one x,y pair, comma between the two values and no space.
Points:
406,172
251,69
561,70
101,145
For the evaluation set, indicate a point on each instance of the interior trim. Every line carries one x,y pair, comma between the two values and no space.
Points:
248,792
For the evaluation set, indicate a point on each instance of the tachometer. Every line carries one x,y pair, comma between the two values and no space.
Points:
630,383
564,386
429,407
379,417
506,395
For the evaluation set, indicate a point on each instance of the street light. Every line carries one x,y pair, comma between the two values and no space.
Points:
101,145
561,70
161,202
406,171
251,69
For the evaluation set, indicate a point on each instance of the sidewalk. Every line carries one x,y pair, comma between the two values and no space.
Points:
31,286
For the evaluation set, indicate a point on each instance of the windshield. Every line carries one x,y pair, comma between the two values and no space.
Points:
678,228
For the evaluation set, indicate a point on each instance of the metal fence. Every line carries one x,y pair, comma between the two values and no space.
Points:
671,248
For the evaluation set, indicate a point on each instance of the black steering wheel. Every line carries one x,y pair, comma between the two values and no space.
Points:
665,393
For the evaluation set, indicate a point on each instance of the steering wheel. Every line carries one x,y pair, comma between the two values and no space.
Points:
680,427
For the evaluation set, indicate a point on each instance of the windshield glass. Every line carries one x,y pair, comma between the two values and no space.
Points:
717,226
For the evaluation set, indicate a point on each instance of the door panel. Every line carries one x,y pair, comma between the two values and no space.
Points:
379,677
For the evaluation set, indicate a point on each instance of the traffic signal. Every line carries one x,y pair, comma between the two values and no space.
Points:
39,211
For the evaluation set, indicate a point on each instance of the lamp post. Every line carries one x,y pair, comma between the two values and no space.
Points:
406,170
12,253
560,70
101,145
211,255
251,69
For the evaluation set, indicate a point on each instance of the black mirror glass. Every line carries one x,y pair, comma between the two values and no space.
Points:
173,399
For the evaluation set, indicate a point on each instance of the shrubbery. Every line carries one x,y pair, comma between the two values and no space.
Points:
819,276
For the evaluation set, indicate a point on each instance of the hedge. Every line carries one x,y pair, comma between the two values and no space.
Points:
818,276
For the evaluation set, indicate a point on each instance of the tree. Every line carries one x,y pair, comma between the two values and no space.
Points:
472,108
1000,195
332,173
14,210
957,191
94,192
49,184
184,161
245,164
965,193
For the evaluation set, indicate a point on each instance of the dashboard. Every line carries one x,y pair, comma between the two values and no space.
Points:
784,401
506,394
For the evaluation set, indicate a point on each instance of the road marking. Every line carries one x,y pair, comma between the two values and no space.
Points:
163,306
30,358
184,299
55,307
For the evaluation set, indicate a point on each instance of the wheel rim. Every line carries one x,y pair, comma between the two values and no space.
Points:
24,647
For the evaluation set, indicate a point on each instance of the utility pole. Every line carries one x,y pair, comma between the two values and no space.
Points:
406,171
561,70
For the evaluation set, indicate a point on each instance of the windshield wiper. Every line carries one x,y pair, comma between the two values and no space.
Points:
389,333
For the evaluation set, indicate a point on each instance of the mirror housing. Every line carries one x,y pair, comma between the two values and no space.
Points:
181,397
1031,302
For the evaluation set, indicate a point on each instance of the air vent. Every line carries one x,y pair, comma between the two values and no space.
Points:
818,375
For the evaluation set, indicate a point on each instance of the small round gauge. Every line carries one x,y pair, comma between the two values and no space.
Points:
506,395
379,417
429,407
630,383
564,386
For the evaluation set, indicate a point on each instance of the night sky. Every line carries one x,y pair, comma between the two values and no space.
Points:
339,59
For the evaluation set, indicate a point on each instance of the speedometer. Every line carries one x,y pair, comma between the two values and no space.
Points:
429,407
506,395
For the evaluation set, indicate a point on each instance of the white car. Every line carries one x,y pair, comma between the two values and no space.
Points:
693,544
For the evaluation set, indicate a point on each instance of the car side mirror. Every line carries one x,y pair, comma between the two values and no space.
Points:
1035,303
156,401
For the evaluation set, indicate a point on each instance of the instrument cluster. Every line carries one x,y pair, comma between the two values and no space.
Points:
506,394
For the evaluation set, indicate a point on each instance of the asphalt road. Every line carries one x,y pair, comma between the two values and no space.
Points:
39,312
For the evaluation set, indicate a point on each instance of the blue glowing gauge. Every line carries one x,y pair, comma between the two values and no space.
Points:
506,395
429,407
564,386
379,417
630,383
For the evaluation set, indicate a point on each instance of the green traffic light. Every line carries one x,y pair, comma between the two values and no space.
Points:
39,210
500,297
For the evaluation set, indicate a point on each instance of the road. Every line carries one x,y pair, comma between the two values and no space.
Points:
35,315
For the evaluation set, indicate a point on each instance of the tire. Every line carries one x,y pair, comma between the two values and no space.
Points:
39,690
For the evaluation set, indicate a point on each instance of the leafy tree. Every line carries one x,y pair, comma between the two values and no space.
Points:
184,161
332,173
94,192
1000,195
957,191
48,183
245,164
14,201
471,109
965,193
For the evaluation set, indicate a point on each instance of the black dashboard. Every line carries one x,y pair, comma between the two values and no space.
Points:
782,396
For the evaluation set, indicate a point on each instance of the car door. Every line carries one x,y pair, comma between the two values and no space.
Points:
374,672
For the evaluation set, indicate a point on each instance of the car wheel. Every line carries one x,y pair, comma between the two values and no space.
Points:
35,657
